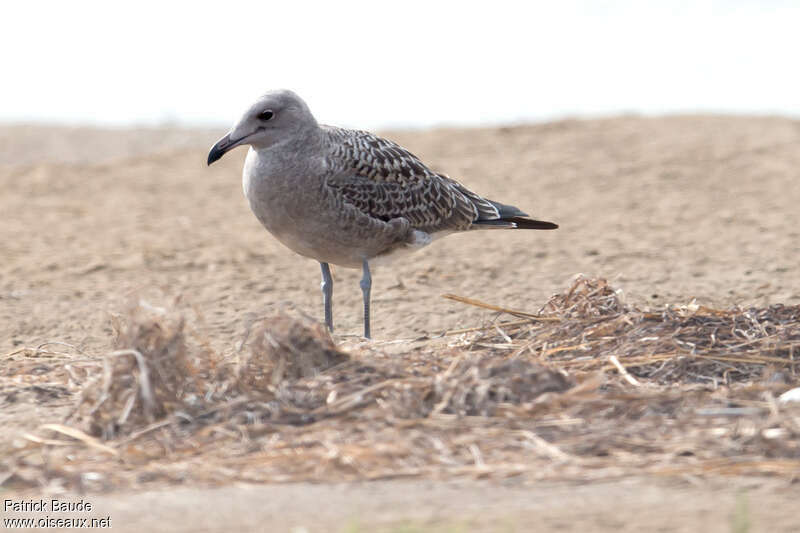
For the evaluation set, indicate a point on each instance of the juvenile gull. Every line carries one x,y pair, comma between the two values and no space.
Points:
347,197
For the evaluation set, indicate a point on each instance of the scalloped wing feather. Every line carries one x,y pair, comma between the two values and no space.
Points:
384,180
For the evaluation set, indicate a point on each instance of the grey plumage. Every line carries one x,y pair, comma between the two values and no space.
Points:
347,197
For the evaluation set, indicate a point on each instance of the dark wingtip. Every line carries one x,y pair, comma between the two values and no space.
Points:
527,223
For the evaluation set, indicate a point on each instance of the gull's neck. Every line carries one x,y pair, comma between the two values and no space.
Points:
305,140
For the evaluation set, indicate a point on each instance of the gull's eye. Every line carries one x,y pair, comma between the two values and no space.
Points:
266,115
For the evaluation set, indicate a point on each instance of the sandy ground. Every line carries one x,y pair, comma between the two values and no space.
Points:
669,209
626,506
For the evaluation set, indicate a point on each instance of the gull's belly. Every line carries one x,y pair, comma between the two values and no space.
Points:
307,225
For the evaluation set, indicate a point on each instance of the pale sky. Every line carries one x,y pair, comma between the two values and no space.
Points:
388,64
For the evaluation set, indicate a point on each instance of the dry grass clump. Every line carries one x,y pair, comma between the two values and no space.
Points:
149,376
589,387
155,376
477,386
284,348
676,344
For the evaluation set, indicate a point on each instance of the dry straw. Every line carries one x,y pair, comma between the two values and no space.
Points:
588,387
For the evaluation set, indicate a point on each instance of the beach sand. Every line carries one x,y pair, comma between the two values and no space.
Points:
669,209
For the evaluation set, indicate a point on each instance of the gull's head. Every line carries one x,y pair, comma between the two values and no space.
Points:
276,116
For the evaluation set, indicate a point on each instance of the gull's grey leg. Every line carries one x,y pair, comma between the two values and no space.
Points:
327,294
366,285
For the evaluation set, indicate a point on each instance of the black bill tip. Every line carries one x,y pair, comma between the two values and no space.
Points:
220,148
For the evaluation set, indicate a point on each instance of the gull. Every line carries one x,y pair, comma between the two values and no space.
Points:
348,197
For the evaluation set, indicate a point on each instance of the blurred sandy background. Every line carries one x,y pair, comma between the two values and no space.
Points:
668,209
